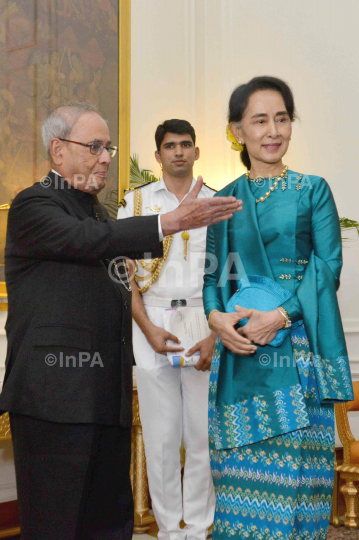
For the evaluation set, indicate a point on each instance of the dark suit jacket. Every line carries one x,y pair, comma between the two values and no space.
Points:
69,325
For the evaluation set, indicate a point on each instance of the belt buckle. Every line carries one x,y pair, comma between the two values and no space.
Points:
178,303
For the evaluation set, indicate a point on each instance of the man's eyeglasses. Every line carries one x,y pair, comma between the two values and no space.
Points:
96,148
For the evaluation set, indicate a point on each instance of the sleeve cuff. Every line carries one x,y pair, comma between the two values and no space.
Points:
293,309
160,233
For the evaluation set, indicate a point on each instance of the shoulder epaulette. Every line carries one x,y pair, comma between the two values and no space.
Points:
211,188
123,202
141,186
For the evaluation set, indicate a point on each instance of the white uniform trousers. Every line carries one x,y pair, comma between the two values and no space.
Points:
174,405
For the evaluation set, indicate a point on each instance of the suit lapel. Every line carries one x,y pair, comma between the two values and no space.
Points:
75,198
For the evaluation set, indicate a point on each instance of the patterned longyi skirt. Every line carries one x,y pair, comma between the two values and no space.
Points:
280,488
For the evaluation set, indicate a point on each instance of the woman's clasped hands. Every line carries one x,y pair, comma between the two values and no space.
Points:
261,328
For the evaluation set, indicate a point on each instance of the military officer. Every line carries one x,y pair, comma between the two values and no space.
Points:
173,401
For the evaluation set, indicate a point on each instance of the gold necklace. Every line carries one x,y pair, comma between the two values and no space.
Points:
278,178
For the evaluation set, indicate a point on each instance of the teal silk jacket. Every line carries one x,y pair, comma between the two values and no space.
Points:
295,239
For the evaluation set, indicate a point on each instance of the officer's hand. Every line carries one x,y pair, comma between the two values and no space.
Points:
157,339
205,348
194,213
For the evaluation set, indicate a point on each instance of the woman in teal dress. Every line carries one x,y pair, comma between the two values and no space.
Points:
271,412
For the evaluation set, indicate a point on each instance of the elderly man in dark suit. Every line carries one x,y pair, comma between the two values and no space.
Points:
68,382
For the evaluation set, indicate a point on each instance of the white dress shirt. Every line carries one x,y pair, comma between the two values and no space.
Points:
179,278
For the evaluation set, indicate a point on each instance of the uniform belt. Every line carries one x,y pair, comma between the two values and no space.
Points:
172,303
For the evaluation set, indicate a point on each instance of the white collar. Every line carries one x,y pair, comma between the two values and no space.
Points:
161,184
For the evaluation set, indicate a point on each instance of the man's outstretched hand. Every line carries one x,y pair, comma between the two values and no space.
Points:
194,213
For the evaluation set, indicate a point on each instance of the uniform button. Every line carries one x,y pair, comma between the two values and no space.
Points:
123,341
125,304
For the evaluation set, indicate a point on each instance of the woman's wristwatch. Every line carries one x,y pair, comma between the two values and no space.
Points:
287,322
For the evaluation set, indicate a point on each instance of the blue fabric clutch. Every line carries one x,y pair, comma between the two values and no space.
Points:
264,294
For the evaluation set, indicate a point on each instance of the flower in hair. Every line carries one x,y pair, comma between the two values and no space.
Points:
231,138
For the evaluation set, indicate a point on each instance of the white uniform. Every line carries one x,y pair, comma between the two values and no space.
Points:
174,401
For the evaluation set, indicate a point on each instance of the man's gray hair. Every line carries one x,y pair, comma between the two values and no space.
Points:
59,122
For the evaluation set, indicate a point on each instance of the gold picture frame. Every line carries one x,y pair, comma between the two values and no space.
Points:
3,296
124,96
31,69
